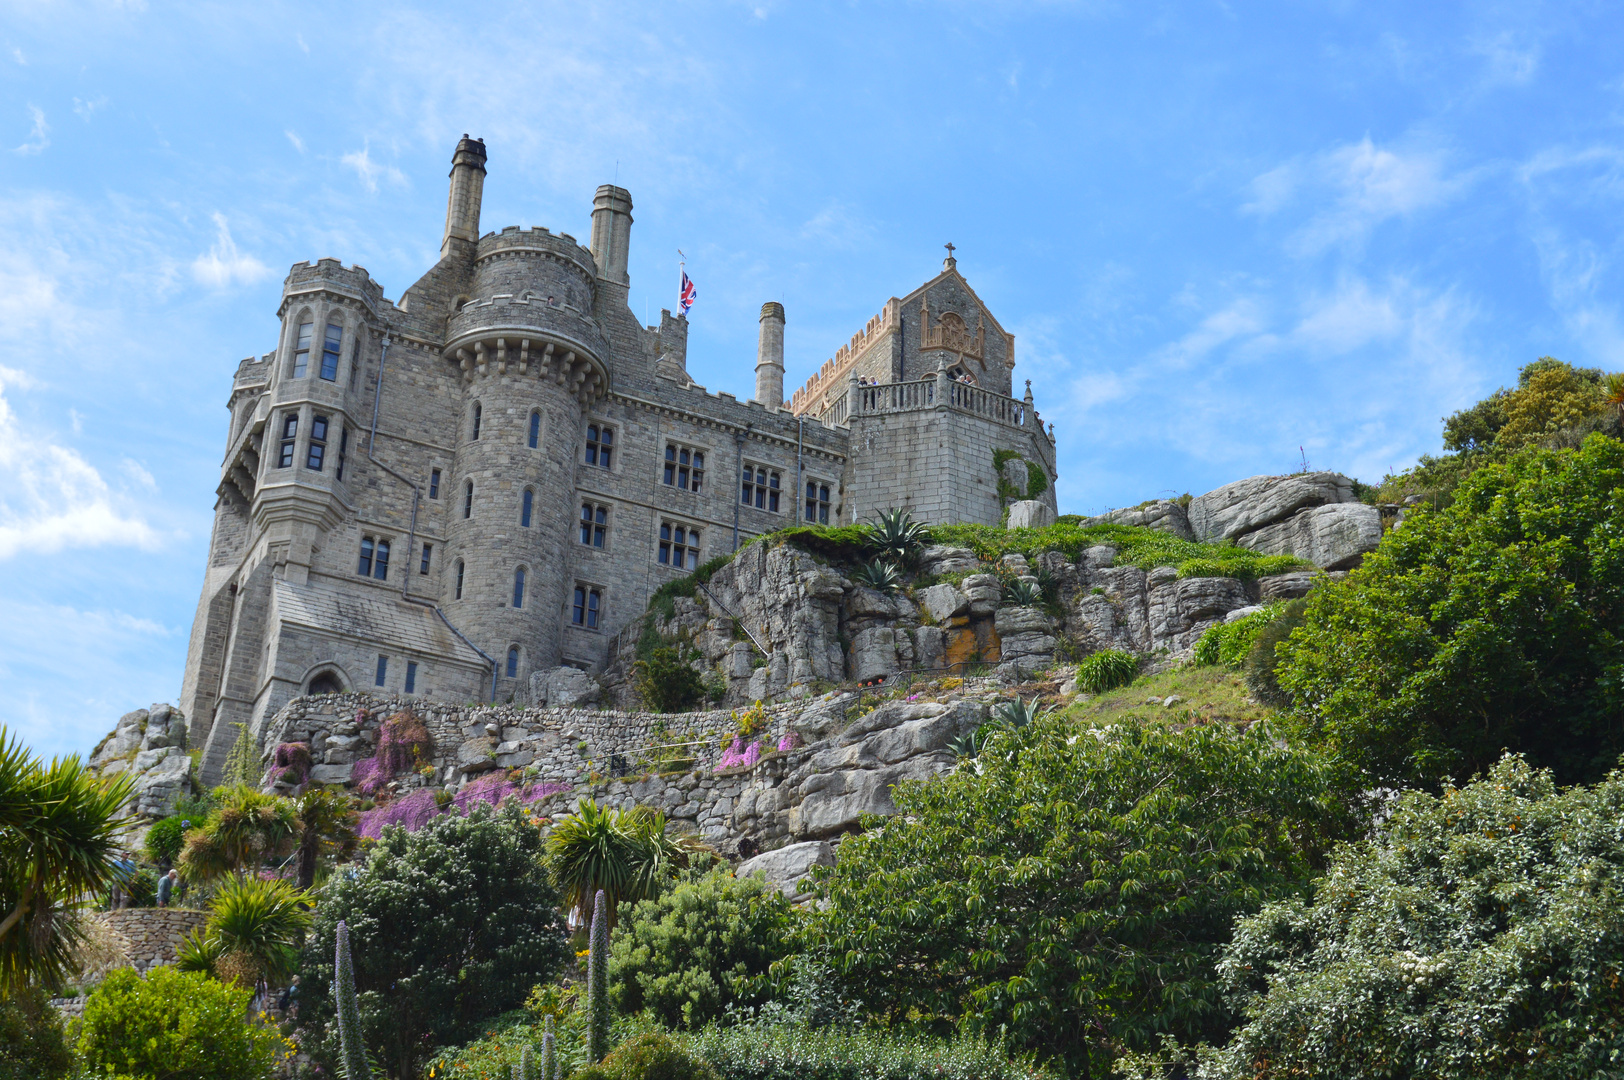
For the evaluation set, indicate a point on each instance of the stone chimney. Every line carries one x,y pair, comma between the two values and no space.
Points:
467,188
770,356
612,233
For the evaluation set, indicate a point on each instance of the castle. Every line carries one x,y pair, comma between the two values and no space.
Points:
490,476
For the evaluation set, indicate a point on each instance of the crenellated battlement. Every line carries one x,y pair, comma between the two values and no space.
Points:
513,240
834,370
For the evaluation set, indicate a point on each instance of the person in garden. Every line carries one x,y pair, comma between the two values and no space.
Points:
166,887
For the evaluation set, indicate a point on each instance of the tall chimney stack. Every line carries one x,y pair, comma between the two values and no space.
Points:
770,356
467,188
612,233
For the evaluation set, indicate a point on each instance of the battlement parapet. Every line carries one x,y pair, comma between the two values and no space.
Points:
513,239
834,369
354,281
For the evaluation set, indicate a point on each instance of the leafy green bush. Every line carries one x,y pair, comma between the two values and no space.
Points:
1478,934
1073,895
1262,663
450,925
793,1052
667,681
698,948
649,1056
175,1023
164,840
1106,670
1231,643
32,1045
1490,625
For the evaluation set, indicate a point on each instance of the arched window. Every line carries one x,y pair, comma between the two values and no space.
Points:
468,500
459,579
479,411
330,348
365,568
380,562
534,439
594,524
524,511
513,662
518,587
301,350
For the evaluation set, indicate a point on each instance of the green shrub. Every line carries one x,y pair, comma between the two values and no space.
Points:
1228,643
793,1052
698,948
1073,894
667,681
1478,934
1023,593
175,1023
32,1045
1106,670
649,1056
164,840
1491,625
1136,546
1262,663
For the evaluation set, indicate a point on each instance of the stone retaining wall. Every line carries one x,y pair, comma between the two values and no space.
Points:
153,934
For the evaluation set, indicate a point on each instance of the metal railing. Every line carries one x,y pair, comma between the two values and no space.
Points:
887,685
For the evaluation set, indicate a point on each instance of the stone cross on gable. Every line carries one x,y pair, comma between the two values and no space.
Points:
950,262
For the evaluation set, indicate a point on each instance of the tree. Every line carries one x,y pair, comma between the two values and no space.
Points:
1071,897
254,932
1494,624
699,947
450,925
32,1043
327,824
1478,934
175,1024
1550,396
666,679
247,828
59,832
625,853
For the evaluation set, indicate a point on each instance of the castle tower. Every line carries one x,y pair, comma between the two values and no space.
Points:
612,233
770,356
467,189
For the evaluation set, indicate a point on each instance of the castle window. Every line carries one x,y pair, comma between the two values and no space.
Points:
594,524
679,546
301,351
518,587
684,468
524,511
479,411
343,447
423,567
817,502
329,352
513,662
411,676
290,430
365,569
584,612
459,580
434,484
760,490
468,500
600,443
318,443
380,561
383,671
534,440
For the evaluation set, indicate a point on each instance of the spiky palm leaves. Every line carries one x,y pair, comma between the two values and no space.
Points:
254,931
878,575
1005,716
247,829
326,826
1023,593
895,536
624,854
59,827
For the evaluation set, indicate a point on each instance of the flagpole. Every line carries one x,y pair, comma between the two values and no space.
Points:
682,269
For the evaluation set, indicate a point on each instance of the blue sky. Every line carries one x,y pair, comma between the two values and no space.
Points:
1220,231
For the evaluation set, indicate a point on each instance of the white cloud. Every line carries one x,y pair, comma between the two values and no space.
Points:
370,171
1359,186
39,137
1509,61
224,264
77,419
17,55
51,498
293,137
84,109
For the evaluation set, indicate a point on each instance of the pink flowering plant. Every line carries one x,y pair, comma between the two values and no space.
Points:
738,755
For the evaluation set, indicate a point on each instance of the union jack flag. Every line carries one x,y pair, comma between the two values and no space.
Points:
688,294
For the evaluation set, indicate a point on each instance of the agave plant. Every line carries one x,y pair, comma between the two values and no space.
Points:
1018,713
896,536
879,575
1023,593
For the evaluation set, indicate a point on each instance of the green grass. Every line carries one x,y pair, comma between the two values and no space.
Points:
1136,546
1213,694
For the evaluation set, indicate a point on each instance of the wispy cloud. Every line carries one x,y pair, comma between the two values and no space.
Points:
224,265
39,136
51,498
1364,185
293,137
84,109
1509,59
371,171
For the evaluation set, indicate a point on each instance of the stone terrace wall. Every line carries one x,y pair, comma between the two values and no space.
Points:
153,934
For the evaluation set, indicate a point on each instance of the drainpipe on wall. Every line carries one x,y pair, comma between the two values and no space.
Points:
411,536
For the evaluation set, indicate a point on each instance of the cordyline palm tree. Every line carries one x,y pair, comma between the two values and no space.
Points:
247,829
1612,391
59,829
326,826
627,854
254,932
